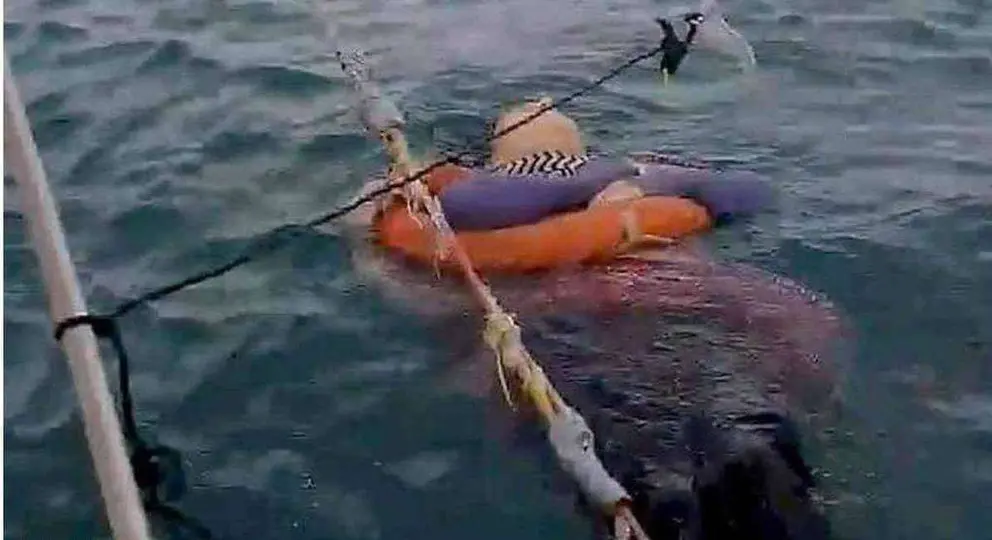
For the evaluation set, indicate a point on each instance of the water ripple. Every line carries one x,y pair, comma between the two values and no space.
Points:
283,80
112,52
175,134
60,32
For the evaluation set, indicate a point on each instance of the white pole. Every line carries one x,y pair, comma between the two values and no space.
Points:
103,430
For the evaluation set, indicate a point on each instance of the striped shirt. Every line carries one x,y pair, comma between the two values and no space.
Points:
549,163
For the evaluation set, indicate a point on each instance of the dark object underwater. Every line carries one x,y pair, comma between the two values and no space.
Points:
696,416
695,377
706,452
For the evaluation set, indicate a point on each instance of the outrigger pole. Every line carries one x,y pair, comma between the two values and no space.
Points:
103,430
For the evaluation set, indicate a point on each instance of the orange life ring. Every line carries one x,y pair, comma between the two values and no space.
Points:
593,234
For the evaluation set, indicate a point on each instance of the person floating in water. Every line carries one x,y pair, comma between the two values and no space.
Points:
702,436
542,169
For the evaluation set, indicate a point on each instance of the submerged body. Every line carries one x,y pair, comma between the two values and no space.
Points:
699,429
694,377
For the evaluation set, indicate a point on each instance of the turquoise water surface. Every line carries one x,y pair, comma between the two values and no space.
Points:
307,407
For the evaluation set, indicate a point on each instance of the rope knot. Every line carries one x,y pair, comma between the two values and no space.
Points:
501,333
157,469
103,326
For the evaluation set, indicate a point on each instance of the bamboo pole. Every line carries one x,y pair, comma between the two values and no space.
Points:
103,431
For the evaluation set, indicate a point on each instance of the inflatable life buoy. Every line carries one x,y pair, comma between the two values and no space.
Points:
593,234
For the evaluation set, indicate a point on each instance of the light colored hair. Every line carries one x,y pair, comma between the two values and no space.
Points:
552,131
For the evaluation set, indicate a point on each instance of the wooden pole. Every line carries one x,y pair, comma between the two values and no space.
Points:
102,427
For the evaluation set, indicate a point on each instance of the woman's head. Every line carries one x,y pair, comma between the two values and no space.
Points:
551,131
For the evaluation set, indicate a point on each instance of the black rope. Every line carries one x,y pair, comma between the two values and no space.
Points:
158,469
106,327
280,236
269,241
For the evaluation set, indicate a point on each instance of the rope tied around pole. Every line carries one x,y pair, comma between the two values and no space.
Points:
158,469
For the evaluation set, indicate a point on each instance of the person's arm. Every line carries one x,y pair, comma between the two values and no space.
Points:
726,194
495,200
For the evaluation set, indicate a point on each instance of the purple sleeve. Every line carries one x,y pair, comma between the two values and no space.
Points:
726,194
491,200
